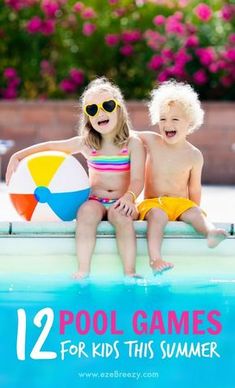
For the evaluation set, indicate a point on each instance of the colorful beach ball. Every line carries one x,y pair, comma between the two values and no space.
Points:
49,186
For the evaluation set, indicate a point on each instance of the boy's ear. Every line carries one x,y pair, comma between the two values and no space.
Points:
191,124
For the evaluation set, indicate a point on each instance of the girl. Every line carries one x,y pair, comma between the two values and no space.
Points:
116,170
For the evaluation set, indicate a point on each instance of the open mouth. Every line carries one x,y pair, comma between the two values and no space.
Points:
103,122
170,133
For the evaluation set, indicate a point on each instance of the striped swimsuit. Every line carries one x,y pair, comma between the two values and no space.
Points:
108,163
104,163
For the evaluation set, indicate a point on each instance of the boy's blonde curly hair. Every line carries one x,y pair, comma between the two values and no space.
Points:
173,91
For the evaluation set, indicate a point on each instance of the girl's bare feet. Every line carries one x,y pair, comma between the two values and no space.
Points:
80,276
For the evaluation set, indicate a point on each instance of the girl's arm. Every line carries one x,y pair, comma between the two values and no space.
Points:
194,187
126,203
70,146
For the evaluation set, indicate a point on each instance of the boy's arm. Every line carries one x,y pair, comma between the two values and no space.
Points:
194,187
146,136
70,146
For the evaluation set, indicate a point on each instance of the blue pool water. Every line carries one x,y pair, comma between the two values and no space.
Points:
125,299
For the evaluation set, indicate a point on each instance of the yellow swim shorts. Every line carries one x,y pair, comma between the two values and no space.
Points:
172,206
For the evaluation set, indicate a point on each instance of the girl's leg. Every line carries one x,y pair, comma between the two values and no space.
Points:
197,219
157,220
89,216
126,239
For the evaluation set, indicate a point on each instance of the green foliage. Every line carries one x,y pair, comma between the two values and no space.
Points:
53,48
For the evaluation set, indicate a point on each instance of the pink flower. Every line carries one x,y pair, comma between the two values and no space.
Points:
50,8
18,4
183,3
182,57
206,55
48,27
155,63
178,15
192,41
227,12
131,36
77,76
88,29
119,12
88,13
112,2
34,25
159,20
177,70
230,54
191,28
213,67
221,64
167,53
203,12
126,50
9,93
78,7
174,26
231,38
163,76
9,73
112,39
47,68
154,39
68,86
200,77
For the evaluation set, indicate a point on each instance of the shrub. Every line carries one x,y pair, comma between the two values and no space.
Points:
53,48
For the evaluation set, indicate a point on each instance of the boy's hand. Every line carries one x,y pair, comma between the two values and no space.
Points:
126,207
12,166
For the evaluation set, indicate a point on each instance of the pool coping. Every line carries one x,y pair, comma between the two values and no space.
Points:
67,229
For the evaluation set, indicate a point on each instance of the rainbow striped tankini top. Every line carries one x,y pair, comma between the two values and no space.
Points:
119,162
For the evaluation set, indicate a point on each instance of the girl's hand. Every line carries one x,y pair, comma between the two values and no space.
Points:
126,207
12,166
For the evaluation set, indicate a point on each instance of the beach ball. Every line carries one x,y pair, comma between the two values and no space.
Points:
49,186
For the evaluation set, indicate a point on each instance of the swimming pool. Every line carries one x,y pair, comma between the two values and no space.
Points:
186,302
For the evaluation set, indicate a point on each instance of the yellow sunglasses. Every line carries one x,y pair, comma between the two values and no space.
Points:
108,106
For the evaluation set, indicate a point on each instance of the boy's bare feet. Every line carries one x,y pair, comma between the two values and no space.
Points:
159,266
215,237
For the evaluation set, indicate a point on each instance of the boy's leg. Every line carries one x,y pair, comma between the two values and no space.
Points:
157,220
198,220
89,216
126,239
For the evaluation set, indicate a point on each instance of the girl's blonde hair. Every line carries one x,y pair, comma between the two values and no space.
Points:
92,138
173,91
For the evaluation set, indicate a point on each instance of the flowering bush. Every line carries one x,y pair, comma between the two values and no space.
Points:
53,48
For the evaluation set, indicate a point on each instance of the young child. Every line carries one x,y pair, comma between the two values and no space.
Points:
116,171
173,169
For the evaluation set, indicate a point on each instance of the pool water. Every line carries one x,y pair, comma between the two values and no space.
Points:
194,285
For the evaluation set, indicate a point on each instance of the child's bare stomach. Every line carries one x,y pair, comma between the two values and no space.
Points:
110,187
161,193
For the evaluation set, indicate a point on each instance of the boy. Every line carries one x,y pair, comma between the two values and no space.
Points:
173,169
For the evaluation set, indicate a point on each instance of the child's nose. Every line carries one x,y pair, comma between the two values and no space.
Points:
101,111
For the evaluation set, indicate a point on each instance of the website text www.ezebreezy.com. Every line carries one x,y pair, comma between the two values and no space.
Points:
118,375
